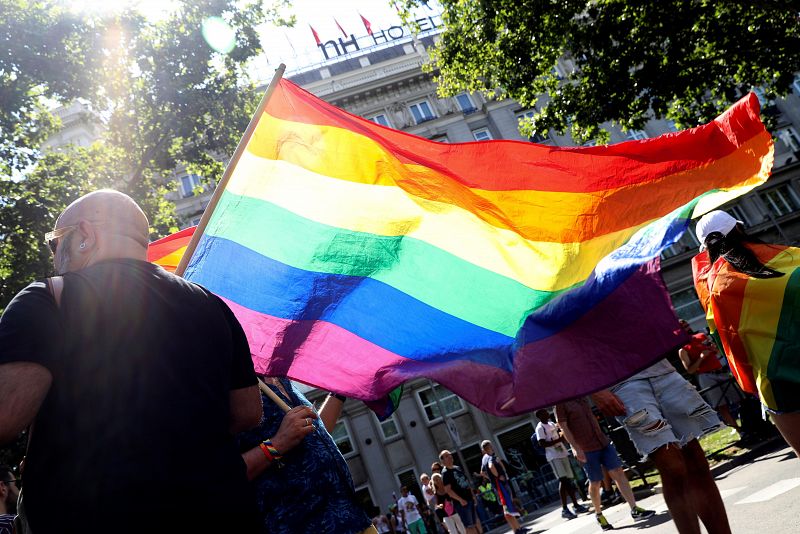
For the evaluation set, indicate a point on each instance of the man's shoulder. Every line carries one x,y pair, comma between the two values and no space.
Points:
34,292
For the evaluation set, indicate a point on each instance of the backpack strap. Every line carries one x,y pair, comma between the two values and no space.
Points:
56,287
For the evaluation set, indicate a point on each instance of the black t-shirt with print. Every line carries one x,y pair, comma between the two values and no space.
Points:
455,478
137,418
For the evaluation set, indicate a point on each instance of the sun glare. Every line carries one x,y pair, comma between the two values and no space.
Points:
152,9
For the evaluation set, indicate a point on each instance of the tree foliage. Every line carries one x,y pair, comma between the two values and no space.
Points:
626,61
165,98
46,52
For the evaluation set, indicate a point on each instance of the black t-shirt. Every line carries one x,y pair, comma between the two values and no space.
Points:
455,478
136,422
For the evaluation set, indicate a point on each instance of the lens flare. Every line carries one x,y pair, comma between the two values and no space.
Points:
219,35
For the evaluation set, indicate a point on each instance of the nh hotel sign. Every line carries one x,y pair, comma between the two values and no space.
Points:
342,46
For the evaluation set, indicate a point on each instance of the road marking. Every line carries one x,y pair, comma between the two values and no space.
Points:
731,491
772,491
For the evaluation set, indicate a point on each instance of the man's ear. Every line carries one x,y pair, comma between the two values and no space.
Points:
87,234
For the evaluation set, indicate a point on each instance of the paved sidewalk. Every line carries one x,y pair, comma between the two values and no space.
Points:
548,517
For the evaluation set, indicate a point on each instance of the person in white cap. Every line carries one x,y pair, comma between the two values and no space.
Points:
751,293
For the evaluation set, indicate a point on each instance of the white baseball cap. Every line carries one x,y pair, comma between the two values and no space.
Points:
714,221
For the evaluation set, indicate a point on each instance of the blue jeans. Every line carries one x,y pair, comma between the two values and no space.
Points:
466,513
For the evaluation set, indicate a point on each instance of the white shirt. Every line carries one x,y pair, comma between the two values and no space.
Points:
549,432
409,505
427,492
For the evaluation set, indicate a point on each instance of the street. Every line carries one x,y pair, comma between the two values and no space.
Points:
760,496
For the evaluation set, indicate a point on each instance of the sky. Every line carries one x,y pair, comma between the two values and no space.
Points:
294,46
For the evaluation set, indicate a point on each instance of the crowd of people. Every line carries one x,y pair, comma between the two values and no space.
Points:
142,405
454,504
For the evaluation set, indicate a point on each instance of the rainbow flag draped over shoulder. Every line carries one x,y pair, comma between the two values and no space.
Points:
757,321
358,257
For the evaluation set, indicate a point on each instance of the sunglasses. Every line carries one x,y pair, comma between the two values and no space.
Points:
51,238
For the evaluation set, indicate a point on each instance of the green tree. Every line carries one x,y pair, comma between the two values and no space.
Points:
166,99
47,55
626,61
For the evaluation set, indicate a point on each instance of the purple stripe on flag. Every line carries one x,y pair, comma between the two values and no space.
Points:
589,354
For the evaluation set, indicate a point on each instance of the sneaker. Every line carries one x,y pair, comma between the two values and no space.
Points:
606,496
580,509
603,522
640,513
566,514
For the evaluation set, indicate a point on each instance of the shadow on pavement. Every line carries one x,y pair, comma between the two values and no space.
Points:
656,520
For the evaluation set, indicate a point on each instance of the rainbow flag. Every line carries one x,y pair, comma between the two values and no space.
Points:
757,321
358,257
168,251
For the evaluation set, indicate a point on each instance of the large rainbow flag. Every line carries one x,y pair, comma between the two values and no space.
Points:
757,321
358,257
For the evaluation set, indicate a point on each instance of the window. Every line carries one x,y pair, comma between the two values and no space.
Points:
796,84
740,215
421,111
536,137
519,451
686,305
409,478
341,436
635,135
762,96
481,134
781,200
473,455
381,119
465,103
390,428
440,139
790,138
449,401
189,183
688,241
363,496
671,125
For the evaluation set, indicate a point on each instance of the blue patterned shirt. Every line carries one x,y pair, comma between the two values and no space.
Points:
312,491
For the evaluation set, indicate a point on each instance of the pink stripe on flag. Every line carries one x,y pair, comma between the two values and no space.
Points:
329,357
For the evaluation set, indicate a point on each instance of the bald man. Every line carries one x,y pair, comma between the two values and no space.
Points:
134,380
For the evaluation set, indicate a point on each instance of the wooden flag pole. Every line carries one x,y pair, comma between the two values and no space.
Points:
212,204
273,396
226,176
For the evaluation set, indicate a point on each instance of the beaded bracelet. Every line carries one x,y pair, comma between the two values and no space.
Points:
269,450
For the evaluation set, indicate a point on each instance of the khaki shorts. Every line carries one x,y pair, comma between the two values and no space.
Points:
562,468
